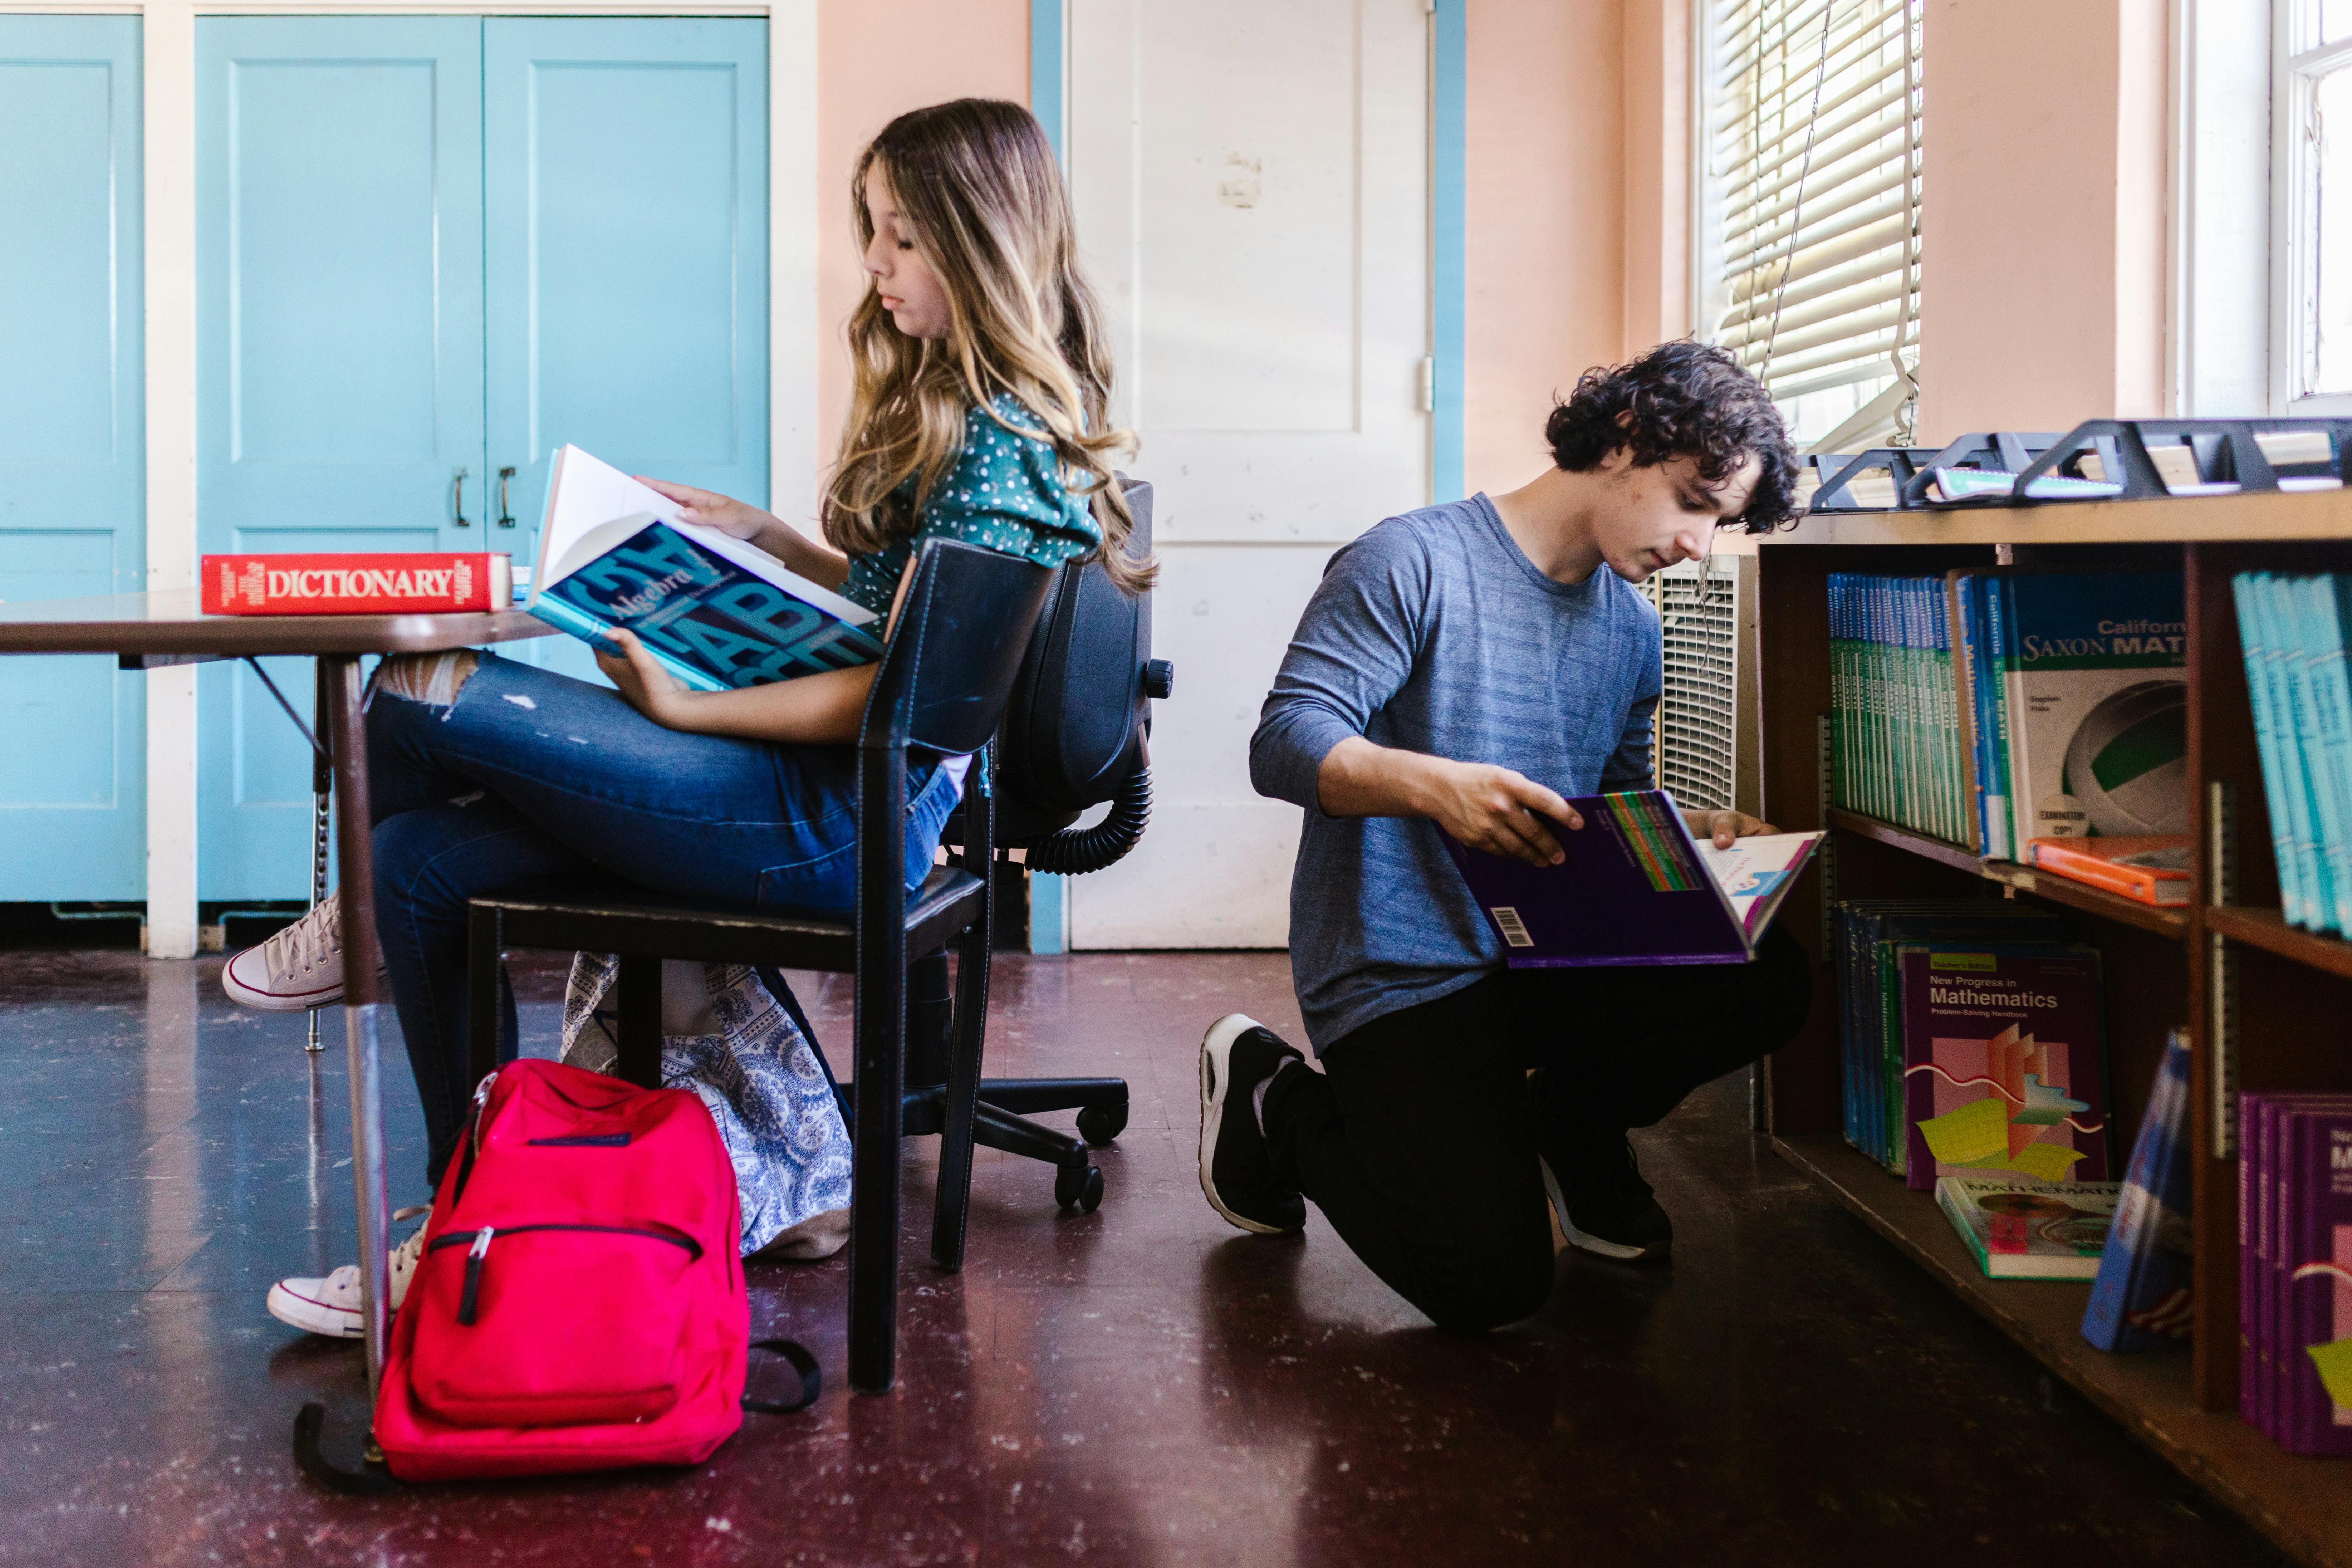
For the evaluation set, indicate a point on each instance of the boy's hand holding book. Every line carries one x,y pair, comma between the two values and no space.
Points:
1724,827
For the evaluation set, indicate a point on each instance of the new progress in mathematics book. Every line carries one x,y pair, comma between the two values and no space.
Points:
2004,1063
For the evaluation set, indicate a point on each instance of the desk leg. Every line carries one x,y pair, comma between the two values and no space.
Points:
322,785
340,682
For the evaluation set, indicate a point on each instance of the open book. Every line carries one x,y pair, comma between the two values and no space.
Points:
715,612
1635,888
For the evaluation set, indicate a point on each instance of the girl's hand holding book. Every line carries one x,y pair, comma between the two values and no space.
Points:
818,561
651,689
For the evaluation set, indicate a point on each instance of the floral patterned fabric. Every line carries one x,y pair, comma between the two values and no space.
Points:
1006,493
760,1078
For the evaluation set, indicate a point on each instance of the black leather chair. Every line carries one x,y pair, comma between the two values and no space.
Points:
942,686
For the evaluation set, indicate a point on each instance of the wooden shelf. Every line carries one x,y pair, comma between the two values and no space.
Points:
2173,922
2268,930
1943,851
2305,1505
2234,520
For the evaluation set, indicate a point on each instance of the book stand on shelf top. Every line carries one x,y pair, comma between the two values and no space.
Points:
2268,1007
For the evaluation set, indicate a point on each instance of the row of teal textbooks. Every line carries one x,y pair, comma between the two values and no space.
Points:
2292,631
1992,708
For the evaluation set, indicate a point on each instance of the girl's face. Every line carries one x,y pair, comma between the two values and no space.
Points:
910,290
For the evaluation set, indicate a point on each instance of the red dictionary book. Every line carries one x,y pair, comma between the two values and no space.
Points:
354,585
2151,869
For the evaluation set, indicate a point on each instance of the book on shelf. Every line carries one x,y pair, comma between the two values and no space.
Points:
2027,1229
2292,634
1992,708
1635,888
2141,1299
355,582
1894,736
2176,466
714,611
2296,1270
2004,1062
2096,710
2149,868
1975,484
1870,933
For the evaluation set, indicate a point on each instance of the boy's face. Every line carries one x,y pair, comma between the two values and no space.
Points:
1659,515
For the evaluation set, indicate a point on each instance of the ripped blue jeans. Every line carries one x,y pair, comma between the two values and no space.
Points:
528,773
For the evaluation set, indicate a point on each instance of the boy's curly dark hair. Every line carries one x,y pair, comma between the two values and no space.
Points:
1685,399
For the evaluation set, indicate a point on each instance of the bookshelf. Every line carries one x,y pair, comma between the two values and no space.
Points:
2268,1007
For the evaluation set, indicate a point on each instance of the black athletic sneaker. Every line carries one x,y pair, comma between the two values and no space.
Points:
1605,1207
1237,1054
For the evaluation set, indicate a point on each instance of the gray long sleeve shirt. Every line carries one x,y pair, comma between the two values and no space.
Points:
1434,633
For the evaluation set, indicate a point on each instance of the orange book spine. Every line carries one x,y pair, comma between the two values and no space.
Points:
2140,883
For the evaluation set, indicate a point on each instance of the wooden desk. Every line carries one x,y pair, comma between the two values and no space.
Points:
148,631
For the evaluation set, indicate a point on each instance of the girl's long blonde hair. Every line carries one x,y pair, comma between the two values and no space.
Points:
977,182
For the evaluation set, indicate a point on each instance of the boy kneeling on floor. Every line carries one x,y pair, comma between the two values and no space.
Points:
1466,667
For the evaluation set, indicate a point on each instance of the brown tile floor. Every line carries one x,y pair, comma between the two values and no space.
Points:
1136,1386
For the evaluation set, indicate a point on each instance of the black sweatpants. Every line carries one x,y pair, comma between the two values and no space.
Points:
1419,1138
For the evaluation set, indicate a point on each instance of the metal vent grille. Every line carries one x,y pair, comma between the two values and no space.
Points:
1698,715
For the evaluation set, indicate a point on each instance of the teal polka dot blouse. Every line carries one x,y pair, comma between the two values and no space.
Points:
1005,493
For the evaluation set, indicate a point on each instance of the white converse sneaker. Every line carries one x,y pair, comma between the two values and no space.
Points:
299,968
331,1306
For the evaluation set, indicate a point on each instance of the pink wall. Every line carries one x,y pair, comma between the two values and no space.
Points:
876,59
1544,195
1658,172
2042,253
1577,201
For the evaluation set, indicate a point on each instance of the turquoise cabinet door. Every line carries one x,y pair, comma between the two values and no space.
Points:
338,270
73,805
626,226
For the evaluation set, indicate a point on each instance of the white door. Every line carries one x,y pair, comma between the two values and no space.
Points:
1252,192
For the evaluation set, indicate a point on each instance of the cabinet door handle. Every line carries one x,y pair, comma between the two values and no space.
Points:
461,500
506,514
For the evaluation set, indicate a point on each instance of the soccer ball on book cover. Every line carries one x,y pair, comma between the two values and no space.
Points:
2128,762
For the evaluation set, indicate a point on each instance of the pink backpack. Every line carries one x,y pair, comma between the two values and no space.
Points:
579,1305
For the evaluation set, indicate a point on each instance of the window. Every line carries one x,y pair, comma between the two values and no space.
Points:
2311,235
1810,196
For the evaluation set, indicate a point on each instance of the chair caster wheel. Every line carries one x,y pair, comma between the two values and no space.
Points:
1079,1187
1098,1124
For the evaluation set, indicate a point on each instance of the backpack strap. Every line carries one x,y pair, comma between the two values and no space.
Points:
371,1479
812,1383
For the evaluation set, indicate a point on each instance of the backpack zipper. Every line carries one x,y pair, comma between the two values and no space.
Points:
478,1249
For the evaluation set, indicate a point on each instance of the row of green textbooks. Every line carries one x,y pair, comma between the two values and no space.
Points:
2293,632
1974,1041
1994,707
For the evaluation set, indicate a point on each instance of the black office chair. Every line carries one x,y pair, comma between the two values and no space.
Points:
1074,716
942,686
1074,737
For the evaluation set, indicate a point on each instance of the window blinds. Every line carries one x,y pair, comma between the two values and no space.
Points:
1813,148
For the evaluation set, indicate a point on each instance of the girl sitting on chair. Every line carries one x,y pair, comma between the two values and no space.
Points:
980,414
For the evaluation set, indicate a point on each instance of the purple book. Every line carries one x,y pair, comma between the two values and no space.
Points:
2263,1170
2249,1107
1635,888
2004,1063
2315,1272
